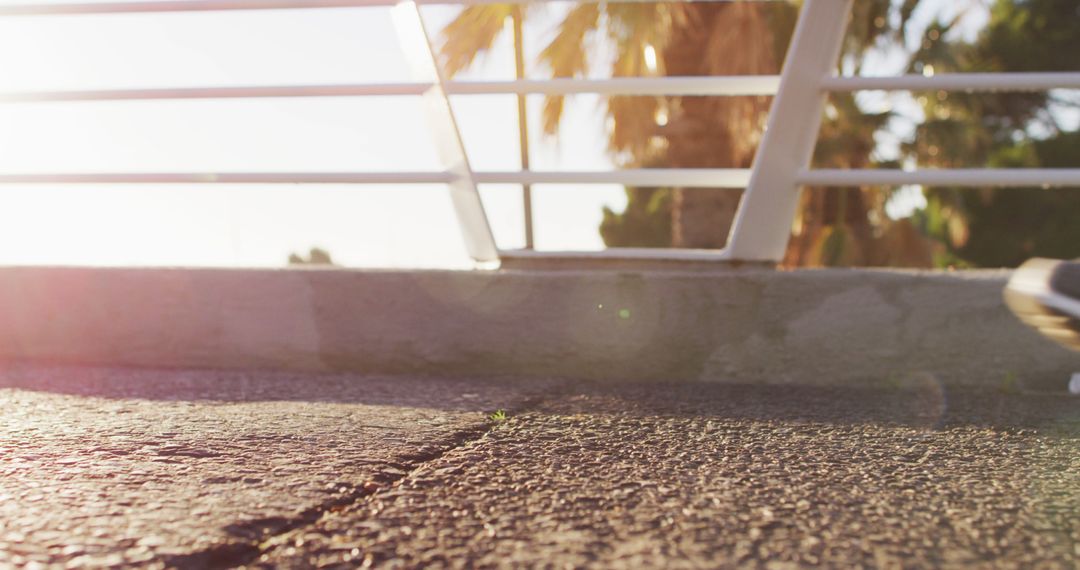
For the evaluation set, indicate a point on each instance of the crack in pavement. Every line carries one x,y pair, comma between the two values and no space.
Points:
113,467
731,476
265,534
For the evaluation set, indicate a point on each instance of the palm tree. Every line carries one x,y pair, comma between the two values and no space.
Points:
633,28
717,132
690,39
686,131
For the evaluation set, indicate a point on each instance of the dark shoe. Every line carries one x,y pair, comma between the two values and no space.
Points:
1045,294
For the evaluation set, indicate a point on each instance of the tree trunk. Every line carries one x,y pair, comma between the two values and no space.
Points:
701,217
715,132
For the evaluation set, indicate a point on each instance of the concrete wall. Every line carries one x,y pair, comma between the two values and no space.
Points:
815,326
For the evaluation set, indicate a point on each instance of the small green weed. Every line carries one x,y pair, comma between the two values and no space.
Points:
1010,384
498,416
893,382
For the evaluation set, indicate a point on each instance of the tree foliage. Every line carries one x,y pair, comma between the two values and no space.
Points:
835,226
646,221
1002,227
317,256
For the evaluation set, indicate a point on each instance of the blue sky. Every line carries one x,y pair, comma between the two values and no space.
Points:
260,225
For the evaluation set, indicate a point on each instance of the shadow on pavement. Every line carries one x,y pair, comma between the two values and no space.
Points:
216,386
919,401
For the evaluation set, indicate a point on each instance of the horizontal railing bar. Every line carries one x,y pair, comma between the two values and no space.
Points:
1044,177
689,86
642,177
617,253
702,177
686,86
46,9
957,82
232,178
386,89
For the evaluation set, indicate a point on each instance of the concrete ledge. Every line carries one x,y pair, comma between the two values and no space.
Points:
751,325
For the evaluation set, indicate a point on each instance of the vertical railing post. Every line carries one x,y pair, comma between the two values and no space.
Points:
517,16
762,226
416,42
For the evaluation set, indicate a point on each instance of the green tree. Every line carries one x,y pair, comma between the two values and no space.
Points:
646,221
990,227
317,256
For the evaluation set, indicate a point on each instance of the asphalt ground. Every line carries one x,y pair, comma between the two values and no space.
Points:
110,468
203,469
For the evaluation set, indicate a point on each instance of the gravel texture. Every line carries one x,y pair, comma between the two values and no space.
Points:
103,467
709,476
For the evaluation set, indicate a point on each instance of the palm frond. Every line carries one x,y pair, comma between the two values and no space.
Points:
632,28
470,34
735,46
566,56
551,113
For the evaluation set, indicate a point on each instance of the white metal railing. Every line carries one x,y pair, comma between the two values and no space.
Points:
1044,177
687,86
1028,81
683,177
54,9
762,226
